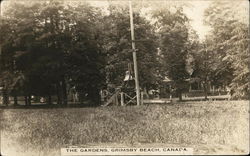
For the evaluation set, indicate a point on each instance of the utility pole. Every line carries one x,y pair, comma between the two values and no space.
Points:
206,72
0,44
134,55
0,21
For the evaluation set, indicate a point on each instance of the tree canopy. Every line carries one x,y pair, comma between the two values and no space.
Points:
53,44
229,42
49,47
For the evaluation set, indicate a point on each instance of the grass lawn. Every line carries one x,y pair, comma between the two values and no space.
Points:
220,127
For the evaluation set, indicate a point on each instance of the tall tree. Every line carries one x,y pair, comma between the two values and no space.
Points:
173,33
230,40
56,45
117,46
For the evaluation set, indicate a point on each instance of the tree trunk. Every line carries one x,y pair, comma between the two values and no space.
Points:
81,98
180,96
49,102
205,89
146,92
26,100
29,100
5,97
59,100
15,100
58,91
94,96
64,92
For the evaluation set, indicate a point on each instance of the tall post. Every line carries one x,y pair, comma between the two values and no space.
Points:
134,54
122,99
206,73
0,21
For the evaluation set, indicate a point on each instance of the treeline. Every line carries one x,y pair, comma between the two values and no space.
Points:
49,47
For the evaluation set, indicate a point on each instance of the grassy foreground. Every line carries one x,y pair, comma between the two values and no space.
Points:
220,127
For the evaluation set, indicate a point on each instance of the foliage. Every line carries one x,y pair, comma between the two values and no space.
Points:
230,43
118,47
47,42
63,45
174,42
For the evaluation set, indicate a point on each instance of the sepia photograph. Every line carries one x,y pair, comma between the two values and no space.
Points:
124,77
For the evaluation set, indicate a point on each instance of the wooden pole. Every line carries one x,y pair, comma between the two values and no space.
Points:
0,21
142,98
206,73
134,54
122,99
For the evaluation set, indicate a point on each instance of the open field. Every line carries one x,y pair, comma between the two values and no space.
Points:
215,127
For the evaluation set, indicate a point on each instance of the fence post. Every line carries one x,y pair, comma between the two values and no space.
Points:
116,99
122,99
142,98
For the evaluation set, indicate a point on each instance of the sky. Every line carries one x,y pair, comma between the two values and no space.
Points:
196,14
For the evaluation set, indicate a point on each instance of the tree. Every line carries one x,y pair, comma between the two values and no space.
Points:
49,39
173,33
85,58
10,27
117,47
206,66
230,41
